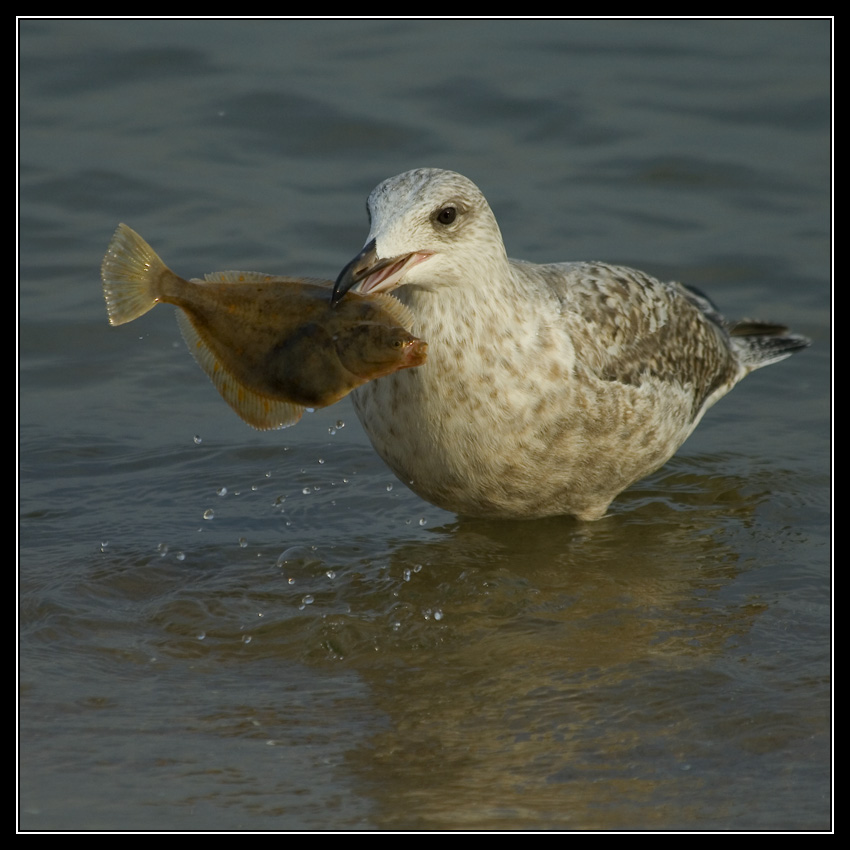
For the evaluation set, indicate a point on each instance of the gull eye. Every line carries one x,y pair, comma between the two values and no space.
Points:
446,215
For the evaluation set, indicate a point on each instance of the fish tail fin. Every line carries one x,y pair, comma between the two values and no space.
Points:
131,273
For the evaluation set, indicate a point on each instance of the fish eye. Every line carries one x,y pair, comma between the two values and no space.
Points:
445,215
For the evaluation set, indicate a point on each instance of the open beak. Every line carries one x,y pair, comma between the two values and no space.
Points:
374,274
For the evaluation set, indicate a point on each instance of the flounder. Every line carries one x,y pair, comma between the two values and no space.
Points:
273,346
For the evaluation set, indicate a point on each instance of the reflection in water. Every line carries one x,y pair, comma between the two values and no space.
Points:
568,680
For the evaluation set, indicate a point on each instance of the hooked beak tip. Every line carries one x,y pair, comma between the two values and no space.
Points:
353,272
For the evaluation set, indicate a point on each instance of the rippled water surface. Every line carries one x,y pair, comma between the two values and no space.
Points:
226,629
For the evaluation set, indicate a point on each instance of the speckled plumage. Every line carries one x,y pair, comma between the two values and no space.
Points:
549,389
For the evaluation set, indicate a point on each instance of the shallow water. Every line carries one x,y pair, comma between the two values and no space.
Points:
327,651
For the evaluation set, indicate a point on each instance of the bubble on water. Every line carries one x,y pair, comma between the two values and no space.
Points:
438,614
222,491
303,555
307,599
197,440
330,574
181,556
202,635
389,486
246,638
209,513
422,520
162,549
242,543
321,460
306,491
406,574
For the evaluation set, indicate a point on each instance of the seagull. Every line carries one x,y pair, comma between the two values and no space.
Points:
549,389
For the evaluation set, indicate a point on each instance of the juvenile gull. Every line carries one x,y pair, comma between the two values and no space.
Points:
548,389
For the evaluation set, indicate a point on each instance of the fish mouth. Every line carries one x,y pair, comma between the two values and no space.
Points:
373,274
416,353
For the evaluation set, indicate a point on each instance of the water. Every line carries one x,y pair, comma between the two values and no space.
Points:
327,651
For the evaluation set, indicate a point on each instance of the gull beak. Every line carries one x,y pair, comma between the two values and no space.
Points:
374,274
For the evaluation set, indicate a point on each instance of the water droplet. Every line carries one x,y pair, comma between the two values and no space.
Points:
209,513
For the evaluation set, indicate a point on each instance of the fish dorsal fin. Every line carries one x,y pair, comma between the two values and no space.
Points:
398,311
261,277
262,413
237,277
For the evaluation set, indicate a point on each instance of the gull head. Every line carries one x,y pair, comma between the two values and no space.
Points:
429,228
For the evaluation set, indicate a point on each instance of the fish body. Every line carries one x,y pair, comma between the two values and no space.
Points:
549,389
272,346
